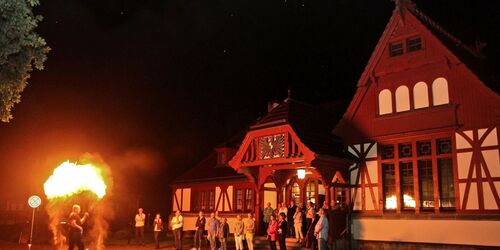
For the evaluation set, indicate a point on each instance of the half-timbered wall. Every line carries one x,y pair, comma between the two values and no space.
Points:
478,165
182,200
364,177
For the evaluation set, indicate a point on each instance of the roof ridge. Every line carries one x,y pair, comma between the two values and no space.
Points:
475,51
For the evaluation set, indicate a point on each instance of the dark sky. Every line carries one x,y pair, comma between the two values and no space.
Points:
153,85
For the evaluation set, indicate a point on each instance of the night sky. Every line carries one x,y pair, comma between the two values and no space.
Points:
152,86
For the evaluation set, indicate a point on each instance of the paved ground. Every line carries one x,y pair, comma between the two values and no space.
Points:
9,246
260,244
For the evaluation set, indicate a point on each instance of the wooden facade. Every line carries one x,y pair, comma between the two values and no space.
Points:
424,128
416,155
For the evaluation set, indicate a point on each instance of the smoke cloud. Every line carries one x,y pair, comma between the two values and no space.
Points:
100,211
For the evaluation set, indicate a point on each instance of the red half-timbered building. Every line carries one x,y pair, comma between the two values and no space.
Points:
415,157
424,127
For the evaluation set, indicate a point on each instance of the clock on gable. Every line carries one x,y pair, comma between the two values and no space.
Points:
272,146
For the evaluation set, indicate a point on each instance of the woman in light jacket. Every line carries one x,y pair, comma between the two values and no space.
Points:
271,232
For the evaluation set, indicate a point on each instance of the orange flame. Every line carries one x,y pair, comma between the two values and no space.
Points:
69,179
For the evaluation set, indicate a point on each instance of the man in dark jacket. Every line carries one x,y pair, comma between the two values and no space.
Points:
312,242
199,230
291,211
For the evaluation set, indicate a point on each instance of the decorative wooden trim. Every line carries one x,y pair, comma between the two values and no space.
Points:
176,200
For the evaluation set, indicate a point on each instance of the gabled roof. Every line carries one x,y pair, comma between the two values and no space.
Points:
471,57
313,125
208,170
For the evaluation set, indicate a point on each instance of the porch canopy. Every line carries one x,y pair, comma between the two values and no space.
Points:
293,135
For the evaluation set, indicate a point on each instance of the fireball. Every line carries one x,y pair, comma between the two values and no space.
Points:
69,179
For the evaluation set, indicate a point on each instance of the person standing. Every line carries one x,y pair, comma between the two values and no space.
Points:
223,233
312,242
297,221
212,227
217,240
283,209
76,228
157,228
249,230
326,209
321,230
199,230
268,211
282,229
140,219
310,214
272,229
289,217
177,224
238,230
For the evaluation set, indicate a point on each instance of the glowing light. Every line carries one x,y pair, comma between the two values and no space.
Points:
301,173
392,203
69,179
409,201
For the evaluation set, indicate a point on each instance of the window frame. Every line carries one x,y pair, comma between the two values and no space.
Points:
415,158
396,52
246,205
198,203
410,46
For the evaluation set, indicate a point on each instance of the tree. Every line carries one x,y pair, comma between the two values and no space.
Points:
21,49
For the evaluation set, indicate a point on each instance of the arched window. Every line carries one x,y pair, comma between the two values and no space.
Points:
311,191
402,99
440,91
296,193
385,102
420,95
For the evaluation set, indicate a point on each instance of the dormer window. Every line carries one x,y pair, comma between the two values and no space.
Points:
221,159
414,44
395,49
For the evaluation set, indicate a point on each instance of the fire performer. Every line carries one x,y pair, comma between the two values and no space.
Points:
76,229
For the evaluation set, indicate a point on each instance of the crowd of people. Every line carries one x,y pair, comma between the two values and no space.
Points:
308,227
218,231
306,224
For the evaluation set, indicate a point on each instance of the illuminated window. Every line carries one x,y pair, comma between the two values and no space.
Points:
395,49
406,178
420,95
296,193
426,184
311,191
402,99
440,92
425,173
389,181
384,102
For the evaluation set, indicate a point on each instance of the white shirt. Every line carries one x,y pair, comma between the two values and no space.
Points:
140,219
283,210
321,229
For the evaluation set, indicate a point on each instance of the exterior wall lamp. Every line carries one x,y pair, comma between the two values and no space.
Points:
301,173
